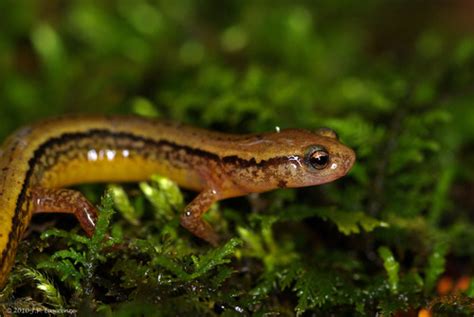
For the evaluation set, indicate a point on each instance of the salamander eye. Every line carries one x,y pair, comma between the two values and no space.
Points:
318,157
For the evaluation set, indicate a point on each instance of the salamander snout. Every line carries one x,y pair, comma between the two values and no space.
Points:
348,159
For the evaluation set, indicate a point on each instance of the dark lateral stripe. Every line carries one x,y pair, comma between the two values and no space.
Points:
243,163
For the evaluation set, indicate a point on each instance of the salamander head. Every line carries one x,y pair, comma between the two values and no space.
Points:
324,158
313,158
287,158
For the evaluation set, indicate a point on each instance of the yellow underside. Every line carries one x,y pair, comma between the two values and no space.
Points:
117,170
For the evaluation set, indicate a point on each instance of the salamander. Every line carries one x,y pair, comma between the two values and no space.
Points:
38,163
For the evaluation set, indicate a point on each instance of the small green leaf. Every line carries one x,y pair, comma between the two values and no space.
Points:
47,43
171,266
66,270
164,195
215,257
123,205
71,254
263,245
436,264
144,107
349,222
105,215
43,284
391,267
253,240
57,233
171,191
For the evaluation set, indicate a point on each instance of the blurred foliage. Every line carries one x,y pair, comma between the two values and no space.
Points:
394,79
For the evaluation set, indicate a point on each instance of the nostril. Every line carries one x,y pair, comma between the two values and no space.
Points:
348,162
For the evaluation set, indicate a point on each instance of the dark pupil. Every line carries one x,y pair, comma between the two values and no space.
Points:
319,159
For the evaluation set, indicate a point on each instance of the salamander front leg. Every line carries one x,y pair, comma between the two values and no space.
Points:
65,201
192,220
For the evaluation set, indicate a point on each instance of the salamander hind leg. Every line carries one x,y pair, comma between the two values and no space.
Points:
65,201
192,220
